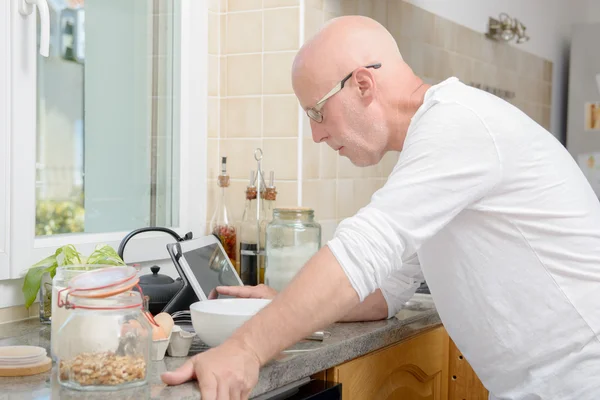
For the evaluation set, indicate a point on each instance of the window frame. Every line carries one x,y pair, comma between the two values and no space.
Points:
18,74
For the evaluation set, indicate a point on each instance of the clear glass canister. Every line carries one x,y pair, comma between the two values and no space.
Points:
59,282
105,342
292,238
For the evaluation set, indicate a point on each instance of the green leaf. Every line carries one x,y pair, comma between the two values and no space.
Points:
105,254
33,278
68,256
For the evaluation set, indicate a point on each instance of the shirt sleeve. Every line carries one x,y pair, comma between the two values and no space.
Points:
449,162
402,285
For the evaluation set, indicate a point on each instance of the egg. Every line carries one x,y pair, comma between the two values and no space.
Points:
158,333
165,321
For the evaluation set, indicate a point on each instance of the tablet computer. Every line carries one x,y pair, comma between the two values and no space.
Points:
205,264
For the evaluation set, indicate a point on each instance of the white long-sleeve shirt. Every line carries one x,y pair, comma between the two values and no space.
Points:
506,230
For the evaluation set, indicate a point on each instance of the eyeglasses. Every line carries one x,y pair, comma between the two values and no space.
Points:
314,113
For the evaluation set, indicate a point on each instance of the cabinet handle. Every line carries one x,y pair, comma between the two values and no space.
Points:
26,8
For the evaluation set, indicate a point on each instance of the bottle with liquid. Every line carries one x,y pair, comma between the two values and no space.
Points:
249,235
268,195
221,224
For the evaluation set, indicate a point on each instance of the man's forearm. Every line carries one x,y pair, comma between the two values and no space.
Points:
318,296
373,308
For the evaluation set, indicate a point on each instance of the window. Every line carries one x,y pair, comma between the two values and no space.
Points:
101,138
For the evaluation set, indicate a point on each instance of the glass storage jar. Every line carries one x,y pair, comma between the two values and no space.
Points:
105,342
292,238
60,281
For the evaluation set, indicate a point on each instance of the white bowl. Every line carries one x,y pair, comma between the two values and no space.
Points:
216,320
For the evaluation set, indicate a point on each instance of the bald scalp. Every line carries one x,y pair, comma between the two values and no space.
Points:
341,46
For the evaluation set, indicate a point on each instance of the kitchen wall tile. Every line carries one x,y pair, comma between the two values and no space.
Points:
314,18
244,32
328,168
223,4
243,117
213,117
213,33
387,163
223,76
280,116
546,113
214,5
213,162
379,11
346,169
223,33
240,156
444,33
280,3
394,18
318,4
277,73
346,206
351,7
334,6
281,155
243,5
320,195
311,153
237,198
287,193
328,228
244,75
10,314
281,29
547,71
213,75
328,15
546,94
223,117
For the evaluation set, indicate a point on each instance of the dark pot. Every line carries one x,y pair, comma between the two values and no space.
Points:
159,288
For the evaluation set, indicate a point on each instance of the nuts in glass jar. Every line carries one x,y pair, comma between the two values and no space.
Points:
103,369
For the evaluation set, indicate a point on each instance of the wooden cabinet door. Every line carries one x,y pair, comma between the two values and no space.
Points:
464,383
415,369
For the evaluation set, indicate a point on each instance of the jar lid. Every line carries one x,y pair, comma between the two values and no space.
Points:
101,283
104,282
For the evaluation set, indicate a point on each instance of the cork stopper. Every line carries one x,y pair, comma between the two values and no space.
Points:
223,179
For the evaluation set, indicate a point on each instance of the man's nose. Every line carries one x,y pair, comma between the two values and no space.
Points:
318,133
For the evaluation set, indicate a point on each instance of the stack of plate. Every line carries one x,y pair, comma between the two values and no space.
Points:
23,360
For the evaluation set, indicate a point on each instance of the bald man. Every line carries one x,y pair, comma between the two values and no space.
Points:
483,201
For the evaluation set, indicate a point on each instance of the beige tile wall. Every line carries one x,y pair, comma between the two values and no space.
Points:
251,102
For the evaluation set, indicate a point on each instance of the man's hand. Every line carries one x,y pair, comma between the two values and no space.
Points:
229,371
248,292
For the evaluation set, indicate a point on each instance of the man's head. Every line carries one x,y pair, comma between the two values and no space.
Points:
351,80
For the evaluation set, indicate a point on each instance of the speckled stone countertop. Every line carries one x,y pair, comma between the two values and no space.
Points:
347,341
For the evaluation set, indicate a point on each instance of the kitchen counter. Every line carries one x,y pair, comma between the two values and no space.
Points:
347,341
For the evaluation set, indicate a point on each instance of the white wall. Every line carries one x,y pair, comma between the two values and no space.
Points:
548,25
592,11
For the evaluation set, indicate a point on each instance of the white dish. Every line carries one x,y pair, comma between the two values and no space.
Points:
216,320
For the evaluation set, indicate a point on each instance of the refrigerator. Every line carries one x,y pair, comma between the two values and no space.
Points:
583,114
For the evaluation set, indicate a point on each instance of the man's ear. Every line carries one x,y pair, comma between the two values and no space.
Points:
365,82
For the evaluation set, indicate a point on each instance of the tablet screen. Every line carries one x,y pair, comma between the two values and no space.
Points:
211,267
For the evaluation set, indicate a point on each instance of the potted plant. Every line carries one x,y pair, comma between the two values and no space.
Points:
38,280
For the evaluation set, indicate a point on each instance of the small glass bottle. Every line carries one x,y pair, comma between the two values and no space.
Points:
293,237
221,224
269,196
249,236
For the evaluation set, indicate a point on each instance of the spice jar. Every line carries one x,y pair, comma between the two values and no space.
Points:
292,238
105,342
